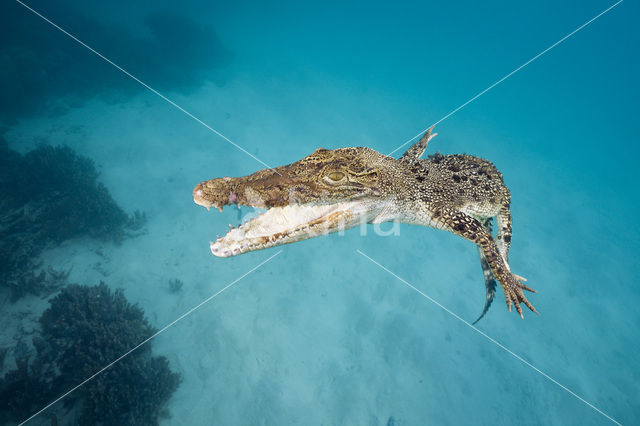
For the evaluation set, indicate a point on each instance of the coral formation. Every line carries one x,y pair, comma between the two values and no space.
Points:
47,196
84,329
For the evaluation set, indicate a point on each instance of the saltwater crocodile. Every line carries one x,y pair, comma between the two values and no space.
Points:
332,190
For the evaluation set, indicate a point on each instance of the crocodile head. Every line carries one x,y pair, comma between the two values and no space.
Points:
327,191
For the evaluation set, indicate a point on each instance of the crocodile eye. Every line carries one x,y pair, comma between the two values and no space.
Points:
335,176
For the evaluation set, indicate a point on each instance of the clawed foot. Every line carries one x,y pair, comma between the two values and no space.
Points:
514,294
519,278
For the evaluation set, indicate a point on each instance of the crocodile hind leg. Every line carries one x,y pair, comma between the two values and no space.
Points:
471,229
489,279
503,239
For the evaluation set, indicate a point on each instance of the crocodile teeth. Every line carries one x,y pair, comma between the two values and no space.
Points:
281,225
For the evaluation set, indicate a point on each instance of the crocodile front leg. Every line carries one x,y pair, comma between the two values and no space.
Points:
471,229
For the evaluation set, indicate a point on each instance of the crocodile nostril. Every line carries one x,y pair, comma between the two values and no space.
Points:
198,197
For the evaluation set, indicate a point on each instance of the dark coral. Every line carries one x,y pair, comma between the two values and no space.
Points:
84,330
58,191
47,196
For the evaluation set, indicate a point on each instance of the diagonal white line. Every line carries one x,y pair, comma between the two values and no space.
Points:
494,341
508,75
163,329
144,84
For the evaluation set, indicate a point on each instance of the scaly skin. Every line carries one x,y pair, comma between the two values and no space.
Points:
332,190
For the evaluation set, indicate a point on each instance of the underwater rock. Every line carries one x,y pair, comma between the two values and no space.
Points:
84,329
48,196
42,71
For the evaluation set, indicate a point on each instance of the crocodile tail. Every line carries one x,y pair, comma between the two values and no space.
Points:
489,279
490,284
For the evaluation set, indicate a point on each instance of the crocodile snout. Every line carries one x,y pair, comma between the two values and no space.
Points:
198,197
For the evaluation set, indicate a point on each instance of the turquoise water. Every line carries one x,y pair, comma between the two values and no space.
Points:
319,334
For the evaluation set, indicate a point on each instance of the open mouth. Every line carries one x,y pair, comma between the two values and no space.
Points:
283,225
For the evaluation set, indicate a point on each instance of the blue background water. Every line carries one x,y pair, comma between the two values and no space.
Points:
320,335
